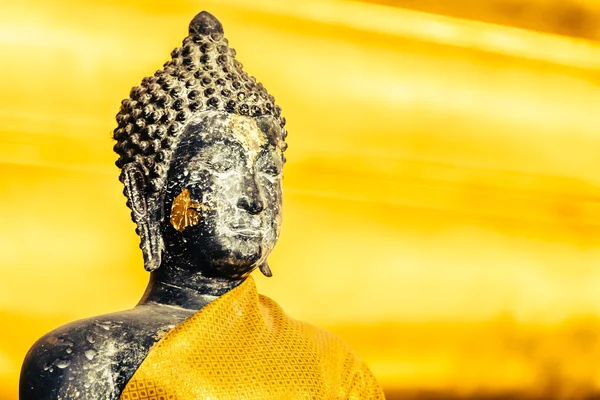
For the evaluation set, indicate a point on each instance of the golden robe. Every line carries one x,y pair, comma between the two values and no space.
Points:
242,346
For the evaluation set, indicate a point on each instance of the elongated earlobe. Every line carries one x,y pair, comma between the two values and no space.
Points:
265,269
147,228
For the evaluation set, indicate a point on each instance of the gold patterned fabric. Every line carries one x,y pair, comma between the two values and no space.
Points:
243,346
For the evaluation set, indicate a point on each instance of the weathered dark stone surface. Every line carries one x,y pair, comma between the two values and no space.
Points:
95,358
201,152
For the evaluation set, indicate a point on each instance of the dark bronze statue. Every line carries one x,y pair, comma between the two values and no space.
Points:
200,148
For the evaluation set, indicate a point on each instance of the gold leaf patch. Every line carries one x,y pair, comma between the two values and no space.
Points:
183,212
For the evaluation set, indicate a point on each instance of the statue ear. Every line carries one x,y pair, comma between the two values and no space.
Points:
142,215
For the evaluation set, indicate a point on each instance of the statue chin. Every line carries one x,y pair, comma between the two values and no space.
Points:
229,257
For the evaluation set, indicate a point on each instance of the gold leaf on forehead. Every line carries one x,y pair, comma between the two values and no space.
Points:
249,135
183,212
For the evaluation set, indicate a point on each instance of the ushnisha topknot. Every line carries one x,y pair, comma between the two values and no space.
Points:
203,74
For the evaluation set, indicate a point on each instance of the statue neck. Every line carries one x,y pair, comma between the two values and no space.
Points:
175,285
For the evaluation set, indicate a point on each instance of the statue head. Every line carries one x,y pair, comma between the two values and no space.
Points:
200,148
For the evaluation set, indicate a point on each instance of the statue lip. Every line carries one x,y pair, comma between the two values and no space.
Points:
244,230
247,232
253,233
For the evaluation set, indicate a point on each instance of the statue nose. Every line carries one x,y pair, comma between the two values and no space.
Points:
253,206
250,200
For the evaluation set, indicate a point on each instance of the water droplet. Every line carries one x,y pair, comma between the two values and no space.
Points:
90,354
103,325
69,350
62,364
46,367
66,342
91,339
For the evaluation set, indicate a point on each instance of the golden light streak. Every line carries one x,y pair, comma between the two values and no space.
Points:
437,29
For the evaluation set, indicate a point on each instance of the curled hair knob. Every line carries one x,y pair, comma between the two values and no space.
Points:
206,24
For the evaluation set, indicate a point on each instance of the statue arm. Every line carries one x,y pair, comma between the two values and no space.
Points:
60,366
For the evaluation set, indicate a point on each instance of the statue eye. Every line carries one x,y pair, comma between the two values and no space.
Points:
221,165
218,157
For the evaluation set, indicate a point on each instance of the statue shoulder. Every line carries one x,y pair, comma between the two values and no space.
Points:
93,358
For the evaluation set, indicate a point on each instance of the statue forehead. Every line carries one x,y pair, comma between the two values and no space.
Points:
250,133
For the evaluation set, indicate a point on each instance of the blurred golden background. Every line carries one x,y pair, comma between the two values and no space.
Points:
442,194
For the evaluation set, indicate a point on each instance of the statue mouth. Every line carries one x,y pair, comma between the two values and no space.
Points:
244,230
247,232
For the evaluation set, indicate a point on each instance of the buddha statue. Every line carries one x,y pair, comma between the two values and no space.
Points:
200,148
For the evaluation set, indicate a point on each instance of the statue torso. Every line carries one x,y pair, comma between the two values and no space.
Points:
241,345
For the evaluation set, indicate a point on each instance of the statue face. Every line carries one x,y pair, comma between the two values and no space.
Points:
223,200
